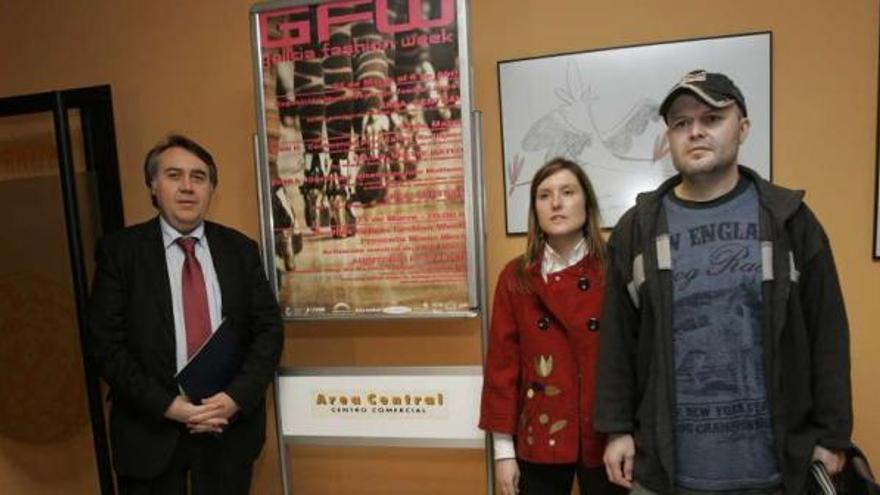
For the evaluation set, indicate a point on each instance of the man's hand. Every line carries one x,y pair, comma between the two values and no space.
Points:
181,409
618,458
218,409
507,475
832,459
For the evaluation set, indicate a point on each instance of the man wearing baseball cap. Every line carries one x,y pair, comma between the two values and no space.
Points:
724,351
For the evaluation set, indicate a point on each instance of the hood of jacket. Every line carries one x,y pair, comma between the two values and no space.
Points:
781,201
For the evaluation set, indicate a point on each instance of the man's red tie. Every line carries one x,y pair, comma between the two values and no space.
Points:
195,298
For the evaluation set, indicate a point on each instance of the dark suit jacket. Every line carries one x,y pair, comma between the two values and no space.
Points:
131,330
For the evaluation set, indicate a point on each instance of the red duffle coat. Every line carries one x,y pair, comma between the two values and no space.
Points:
541,365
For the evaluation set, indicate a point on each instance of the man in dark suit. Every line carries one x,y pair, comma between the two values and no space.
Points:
160,289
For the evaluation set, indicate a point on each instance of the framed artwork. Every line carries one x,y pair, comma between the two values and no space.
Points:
875,249
599,108
365,155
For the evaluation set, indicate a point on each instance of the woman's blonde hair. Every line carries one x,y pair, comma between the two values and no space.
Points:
536,238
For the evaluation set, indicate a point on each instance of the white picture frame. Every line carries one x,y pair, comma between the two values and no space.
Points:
599,108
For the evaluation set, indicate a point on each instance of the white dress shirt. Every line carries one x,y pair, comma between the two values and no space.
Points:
553,262
174,258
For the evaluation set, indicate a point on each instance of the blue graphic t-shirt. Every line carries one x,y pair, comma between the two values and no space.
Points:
724,439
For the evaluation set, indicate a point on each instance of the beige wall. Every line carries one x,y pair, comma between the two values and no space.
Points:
185,66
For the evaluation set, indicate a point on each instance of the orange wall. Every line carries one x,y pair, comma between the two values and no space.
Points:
185,66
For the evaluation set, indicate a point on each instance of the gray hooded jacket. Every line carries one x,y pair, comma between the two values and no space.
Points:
806,337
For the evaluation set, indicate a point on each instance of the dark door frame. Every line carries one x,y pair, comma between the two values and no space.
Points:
95,105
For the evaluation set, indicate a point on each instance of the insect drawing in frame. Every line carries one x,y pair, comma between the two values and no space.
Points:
600,110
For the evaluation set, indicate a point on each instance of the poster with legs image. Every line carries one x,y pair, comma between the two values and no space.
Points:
364,119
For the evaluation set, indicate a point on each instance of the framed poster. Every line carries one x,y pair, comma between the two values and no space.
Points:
365,146
600,109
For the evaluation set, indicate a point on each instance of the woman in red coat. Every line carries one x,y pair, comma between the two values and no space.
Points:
540,369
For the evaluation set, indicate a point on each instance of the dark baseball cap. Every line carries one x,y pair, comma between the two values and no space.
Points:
712,88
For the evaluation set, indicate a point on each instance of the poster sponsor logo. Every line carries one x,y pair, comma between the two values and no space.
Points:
428,404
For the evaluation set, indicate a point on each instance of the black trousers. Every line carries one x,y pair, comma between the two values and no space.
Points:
557,479
196,468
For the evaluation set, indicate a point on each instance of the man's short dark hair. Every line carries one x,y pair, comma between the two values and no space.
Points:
151,162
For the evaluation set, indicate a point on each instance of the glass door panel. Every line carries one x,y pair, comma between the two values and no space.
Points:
46,443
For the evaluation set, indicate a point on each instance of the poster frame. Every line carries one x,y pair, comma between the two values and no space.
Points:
471,164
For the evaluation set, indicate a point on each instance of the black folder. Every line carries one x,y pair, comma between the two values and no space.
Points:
213,366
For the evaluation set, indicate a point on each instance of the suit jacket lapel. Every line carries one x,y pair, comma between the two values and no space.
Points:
222,259
157,268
